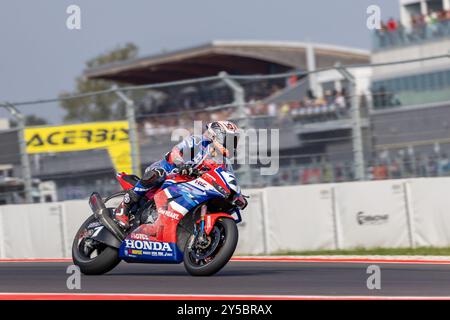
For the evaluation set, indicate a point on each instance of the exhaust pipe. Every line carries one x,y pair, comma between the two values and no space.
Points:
103,214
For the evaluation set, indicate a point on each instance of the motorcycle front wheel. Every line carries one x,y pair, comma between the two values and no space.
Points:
205,259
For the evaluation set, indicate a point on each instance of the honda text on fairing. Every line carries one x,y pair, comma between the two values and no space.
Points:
188,219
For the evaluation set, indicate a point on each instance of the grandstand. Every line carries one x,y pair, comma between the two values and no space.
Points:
411,102
236,58
402,139
233,57
93,170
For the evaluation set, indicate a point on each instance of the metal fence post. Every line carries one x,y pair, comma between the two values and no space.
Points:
24,158
132,128
239,101
336,220
358,148
238,96
409,213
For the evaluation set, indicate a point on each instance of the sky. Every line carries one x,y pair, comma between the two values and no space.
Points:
40,57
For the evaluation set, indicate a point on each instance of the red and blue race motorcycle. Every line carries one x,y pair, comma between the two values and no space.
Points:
188,219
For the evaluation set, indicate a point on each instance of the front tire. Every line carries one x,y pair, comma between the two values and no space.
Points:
228,233
105,259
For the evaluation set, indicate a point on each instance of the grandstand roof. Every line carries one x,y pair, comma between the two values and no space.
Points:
234,57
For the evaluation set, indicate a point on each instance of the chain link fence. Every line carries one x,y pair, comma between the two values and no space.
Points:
333,125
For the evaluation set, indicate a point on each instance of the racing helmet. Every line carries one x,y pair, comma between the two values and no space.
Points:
224,136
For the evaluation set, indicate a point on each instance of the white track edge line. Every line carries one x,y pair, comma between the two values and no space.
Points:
25,294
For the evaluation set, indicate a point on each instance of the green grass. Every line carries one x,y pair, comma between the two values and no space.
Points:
422,251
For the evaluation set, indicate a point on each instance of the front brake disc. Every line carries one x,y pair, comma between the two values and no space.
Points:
209,249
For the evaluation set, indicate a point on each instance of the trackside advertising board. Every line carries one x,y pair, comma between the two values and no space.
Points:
112,136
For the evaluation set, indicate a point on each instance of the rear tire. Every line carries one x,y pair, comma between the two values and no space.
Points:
105,261
223,254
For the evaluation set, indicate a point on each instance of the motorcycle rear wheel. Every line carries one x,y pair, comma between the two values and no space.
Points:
107,258
221,254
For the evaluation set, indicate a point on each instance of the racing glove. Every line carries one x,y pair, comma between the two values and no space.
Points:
187,170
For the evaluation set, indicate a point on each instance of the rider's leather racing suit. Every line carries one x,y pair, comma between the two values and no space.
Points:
187,153
183,156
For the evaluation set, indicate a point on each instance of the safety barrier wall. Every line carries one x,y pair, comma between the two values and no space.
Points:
391,213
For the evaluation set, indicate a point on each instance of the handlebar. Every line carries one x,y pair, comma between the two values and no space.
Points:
196,172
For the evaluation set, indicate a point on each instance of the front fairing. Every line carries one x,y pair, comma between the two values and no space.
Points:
217,183
191,193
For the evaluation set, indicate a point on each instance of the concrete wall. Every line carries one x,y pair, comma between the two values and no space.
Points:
391,213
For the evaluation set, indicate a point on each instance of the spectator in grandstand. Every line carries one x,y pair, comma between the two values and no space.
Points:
294,107
149,128
446,21
392,28
272,110
407,161
381,34
274,89
339,100
416,166
402,35
420,26
329,98
415,21
431,20
340,103
292,81
395,171
433,166
326,171
185,121
251,107
310,94
285,112
215,116
444,165
339,172
380,171
434,23
320,109
392,25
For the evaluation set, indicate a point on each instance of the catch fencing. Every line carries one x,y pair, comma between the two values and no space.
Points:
335,124
390,214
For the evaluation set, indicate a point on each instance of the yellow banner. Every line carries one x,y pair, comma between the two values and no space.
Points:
112,136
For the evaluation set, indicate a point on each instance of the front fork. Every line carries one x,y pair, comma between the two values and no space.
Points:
205,224
200,234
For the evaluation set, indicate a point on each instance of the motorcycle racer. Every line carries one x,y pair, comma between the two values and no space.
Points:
216,141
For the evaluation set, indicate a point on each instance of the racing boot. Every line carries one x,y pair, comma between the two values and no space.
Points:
122,212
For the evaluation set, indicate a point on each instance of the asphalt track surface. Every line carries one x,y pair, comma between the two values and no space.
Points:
237,278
